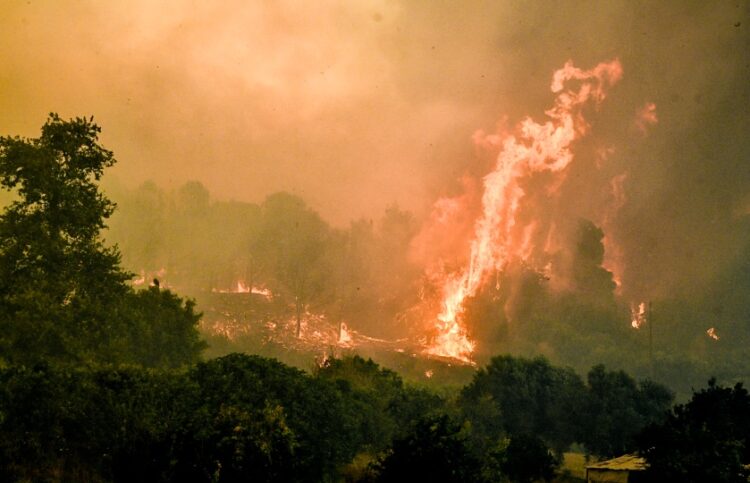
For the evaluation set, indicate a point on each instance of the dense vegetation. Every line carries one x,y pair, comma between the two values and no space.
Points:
101,382
63,295
241,417
367,275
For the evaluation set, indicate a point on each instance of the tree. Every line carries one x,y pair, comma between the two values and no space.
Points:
434,451
161,329
525,459
63,295
521,396
618,408
292,241
707,439
58,281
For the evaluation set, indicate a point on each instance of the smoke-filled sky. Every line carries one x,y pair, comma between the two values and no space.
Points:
357,105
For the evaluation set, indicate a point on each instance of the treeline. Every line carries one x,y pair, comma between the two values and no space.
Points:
100,382
240,418
360,274
249,418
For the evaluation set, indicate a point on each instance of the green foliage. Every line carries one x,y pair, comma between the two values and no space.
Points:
617,409
435,450
707,439
230,419
58,282
385,407
161,329
522,396
321,418
63,296
245,417
85,425
525,459
517,396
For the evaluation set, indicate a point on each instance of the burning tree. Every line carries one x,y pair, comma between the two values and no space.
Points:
507,229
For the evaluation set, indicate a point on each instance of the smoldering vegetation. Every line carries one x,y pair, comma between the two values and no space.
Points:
251,265
311,176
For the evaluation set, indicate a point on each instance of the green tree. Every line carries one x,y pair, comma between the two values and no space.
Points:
58,281
521,396
63,295
435,450
707,439
161,329
525,459
618,408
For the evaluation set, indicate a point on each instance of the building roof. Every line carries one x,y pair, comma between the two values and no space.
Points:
628,462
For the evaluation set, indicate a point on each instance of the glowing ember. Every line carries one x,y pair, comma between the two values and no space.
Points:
500,235
140,280
638,315
712,333
241,287
344,337
645,117
428,374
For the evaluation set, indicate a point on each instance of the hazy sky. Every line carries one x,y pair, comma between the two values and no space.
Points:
358,104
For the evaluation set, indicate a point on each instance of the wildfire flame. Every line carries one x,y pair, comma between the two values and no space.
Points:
712,333
241,287
638,315
499,234
345,337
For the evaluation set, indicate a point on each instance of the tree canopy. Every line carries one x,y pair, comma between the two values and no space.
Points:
707,439
63,295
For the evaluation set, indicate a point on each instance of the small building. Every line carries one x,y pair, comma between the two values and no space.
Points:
623,469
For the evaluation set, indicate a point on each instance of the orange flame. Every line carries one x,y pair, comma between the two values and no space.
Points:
712,333
638,315
499,234
345,337
241,287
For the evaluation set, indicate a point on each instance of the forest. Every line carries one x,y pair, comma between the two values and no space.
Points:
105,378
295,267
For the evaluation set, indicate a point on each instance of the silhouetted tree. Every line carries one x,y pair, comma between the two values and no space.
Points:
434,451
63,295
526,459
59,283
707,439
617,409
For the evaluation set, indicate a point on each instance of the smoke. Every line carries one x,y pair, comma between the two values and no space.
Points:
356,105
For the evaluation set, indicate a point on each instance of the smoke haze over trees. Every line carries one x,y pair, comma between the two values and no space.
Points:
355,108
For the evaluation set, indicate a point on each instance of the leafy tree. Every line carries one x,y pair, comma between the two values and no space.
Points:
521,396
435,450
323,422
58,282
161,329
618,408
525,458
63,295
373,390
707,439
